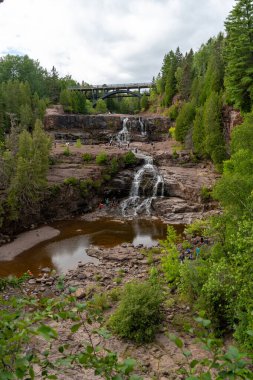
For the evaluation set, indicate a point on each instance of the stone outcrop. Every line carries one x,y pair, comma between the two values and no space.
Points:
230,119
96,129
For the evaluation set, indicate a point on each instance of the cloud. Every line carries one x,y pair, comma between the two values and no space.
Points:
107,41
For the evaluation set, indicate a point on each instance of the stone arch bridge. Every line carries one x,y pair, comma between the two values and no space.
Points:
109,90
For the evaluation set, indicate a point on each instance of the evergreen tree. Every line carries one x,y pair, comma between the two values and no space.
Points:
184,121
29,180
171,63
214,139
144,102
214,76
184,76
198,135
239,55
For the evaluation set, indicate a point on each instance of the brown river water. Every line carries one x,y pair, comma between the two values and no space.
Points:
64,251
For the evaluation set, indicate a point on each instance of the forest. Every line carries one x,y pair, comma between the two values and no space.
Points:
193,90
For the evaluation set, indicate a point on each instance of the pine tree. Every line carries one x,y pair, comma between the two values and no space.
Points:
28,182
239,55
198,135
214,139
184,121
184,76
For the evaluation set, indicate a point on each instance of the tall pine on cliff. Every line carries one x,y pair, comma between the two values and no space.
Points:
239,55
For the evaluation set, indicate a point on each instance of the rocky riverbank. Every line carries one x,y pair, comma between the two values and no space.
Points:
160,359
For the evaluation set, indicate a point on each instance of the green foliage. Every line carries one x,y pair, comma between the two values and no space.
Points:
144,102
218,364
102,158
193,275
28,181
78,143
234,189
214,139
71,181
170,260
197,228
129,158
12,281
21,319
172,112
206,194
198,134
87,157
66,151
238,55
139,312
101,106
184,121
172,131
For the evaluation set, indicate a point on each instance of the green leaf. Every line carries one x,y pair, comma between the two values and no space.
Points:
193,363
104,333
75,327
47,332
178,342
187,353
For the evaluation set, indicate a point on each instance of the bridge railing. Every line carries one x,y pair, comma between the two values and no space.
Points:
112,86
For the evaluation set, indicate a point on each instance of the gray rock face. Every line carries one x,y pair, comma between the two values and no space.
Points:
95,129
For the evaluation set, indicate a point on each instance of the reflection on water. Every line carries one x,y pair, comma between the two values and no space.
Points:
68,248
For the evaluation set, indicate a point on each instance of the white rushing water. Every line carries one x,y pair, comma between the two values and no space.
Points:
123,137
138,203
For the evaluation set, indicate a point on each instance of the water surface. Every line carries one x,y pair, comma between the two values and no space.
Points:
64,251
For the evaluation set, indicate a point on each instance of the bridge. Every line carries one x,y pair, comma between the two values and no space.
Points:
108,90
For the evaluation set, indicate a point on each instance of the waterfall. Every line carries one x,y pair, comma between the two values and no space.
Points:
123,137
137,202
143,129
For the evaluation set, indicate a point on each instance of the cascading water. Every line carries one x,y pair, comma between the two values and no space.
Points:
143,129
123,137
139,202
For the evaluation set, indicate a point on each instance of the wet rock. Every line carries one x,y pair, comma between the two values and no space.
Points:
32,281
46,270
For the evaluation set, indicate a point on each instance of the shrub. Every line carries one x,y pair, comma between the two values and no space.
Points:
172,132
101,158
129,158
114,166
66,152
193,275
71,181
172,112
206,194
78,143
87,157
139,312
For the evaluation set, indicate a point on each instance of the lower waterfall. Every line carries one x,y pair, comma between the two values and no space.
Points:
147,185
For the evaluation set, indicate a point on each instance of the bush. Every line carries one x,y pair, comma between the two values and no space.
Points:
172,132
206,194
139,312
101,158
78,143
71,181
129,158
87,157
66,152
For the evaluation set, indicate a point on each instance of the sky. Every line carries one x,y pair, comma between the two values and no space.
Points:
107,41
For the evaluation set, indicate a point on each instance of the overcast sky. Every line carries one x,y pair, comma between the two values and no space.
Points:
107,41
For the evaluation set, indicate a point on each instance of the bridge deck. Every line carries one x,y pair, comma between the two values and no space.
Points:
122,86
